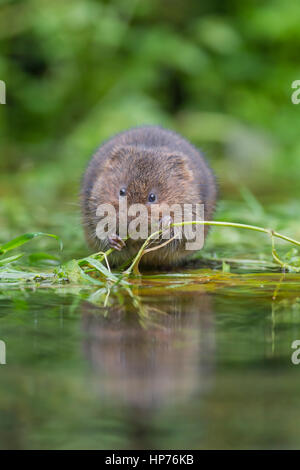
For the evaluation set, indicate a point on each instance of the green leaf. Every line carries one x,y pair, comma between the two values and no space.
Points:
21,240
43,257
11,259
101,268
225,267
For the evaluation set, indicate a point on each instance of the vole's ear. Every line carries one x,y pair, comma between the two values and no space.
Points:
117,155
178,165
119,152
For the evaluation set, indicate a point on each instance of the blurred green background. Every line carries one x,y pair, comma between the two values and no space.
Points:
79,71
220,73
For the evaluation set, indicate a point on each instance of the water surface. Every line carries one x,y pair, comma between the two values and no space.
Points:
194,361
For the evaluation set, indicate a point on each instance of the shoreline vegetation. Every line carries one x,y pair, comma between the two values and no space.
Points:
95,269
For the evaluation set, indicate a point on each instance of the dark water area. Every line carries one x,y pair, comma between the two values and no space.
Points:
180,363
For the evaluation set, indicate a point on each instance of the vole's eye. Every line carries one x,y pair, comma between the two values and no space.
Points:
151,197
123,192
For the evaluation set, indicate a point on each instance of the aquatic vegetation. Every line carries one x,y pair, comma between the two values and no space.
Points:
95,270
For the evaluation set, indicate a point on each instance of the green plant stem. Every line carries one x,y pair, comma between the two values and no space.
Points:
134,265
236,225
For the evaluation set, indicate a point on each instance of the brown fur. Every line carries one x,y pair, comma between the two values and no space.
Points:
146,159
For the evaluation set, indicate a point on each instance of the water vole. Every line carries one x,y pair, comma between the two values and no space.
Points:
150,166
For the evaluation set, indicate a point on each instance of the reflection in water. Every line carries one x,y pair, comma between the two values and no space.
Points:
150,352
161,370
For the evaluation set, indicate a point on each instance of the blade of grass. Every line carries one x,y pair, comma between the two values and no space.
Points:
21,240
11,259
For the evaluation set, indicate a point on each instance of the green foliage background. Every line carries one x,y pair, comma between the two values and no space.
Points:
220,73
77,71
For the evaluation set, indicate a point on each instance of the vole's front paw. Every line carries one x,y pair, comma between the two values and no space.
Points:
116,242
164,225
165,222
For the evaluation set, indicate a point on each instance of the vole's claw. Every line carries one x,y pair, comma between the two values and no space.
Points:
116,242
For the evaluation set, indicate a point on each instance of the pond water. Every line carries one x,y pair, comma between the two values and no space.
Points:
196,361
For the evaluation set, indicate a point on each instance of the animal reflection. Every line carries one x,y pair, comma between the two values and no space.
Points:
146,351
